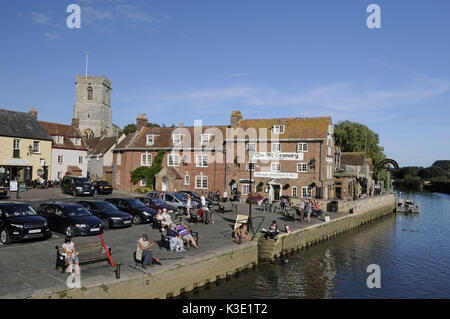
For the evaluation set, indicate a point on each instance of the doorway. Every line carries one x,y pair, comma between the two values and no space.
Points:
165,184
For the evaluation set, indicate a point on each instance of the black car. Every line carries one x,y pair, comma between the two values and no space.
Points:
102,187
19,221
108,213
140,212
77,186
71,219
156,204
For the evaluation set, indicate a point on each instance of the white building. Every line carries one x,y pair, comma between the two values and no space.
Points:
69,154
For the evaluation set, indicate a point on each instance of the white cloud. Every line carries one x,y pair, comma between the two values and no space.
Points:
40,18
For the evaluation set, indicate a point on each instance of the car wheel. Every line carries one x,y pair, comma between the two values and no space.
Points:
106,223
137,219
70,231
4,237
181,211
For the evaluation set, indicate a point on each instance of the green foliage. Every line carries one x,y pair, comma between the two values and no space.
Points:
356,137
445,165
131,128
148,173
143,190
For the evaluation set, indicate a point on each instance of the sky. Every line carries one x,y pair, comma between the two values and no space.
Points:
180,61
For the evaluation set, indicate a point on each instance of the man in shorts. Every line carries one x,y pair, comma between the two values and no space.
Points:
181,229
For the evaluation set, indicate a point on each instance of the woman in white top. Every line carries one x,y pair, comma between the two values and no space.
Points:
188,206
71,255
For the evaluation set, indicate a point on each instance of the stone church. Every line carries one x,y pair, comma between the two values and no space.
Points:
92,112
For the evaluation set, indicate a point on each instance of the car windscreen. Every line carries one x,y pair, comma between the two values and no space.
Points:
18,211
81,180
76,211
135,203
105,206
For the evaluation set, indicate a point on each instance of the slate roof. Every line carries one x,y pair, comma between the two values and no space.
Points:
21,125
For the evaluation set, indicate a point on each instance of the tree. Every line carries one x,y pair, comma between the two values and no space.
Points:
445,165
356,137
131,128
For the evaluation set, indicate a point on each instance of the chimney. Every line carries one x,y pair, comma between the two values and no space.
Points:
33,112
76,123
141,121
181,125
236,117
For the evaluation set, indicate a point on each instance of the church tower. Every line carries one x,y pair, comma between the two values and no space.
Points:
92,110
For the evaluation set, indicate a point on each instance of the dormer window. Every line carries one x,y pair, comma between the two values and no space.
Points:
177,138
150,139
59,139
278,129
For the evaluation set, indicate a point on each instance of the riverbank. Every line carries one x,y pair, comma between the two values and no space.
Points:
208,266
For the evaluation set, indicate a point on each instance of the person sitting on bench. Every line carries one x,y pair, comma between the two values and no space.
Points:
273,231
316,208
176,243
182,230
143,251
71,255
241,233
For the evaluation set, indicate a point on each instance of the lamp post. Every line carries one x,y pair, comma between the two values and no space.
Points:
250,226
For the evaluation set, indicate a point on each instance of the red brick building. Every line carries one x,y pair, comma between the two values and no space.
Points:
291,157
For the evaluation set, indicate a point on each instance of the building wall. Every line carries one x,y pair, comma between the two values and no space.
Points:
33,160
95,167
70,158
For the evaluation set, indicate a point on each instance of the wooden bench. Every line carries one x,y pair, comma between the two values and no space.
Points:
165,240
87,253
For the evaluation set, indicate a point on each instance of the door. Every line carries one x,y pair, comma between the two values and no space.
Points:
165,184
276,192
108,177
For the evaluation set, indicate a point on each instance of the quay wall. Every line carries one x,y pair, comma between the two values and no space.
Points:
364,211
172,280
195,272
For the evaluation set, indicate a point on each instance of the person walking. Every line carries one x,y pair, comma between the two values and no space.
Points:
188,205
143,251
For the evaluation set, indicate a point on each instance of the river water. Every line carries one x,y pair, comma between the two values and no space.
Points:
413,253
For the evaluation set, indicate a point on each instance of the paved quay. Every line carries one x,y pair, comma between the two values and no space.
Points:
27,269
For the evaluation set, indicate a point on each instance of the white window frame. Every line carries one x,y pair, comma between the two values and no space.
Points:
38,149
80,159
251,147
306,192
279,129
60,159
173,160
246,189
177,139
202,179
119,158
329,172
187,180
201,160
150,139
205,139
302,147
146,159
275,147
275,167
247,166
143,183
294,191
16,144
302,167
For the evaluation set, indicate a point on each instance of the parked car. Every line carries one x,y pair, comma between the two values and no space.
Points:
76,186
70,219
154,194
102,187
3,192
140,212
172,199
108,213
19,221
194,198
156,204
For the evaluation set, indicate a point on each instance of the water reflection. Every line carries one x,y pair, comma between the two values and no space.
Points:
412,252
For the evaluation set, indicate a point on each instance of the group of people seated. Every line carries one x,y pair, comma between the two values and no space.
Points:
179,236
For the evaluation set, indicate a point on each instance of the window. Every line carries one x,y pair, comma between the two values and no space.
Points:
302,167
59,139
302,147
150,139
119,158
146,159
294,191
205,138
276,147
118,178
76,141
249,165
245,189
201,182
36,147
187,180
16,144
251,147
80,159
143,182
177,138
329,172
173,160
201,160
306,192
278,129
60,159
275,167
60,174
90,92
